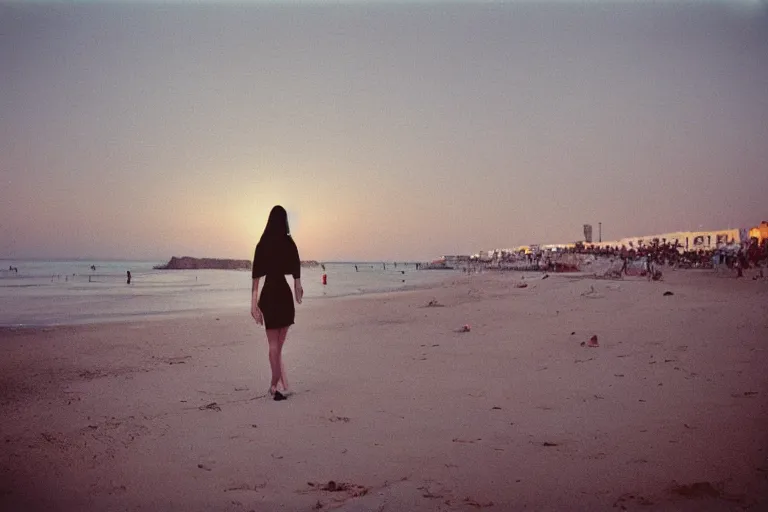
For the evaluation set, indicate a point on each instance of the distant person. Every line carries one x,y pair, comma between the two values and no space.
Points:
741,263
356,270
624,266
275,256
129,276
323,266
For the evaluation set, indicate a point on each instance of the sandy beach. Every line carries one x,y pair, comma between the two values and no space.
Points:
394,410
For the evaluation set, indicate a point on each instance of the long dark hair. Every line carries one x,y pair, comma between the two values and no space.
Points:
277,226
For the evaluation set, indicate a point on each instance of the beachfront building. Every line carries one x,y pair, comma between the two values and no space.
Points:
556,247
686,240
759,232
450,261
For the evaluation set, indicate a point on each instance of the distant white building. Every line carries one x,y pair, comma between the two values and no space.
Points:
455,260
484,256
688,240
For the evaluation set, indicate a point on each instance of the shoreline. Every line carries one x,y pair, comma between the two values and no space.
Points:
75,300
210,312
529,275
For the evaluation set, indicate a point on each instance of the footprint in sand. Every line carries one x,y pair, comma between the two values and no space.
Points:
246,487
465,441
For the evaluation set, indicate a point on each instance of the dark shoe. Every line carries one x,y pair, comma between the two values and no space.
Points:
279,396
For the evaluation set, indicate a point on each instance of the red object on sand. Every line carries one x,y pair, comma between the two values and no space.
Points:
325,279
593,341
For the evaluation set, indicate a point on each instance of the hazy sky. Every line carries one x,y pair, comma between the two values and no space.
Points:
388,130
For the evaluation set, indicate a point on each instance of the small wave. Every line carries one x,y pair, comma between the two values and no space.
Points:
38,285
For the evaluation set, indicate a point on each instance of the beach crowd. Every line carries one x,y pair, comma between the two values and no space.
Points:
736,257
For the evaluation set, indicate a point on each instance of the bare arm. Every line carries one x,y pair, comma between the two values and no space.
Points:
255,311
298,290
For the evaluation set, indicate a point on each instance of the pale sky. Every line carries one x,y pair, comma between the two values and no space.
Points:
388,130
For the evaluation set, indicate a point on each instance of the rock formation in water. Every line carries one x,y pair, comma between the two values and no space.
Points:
188,263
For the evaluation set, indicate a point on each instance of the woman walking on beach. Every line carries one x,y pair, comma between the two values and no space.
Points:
276,255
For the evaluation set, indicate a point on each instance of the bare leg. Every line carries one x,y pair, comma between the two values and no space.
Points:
282,333
273,338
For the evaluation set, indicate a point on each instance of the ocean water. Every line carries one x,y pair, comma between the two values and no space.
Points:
44,293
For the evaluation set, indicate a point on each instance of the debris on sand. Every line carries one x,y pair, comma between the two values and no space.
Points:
591,293
696,490
628,498
332,486
352,490
699,490
593,341
544,276
477,504
246,487
668,293
213,406
521,285
466,328
434,304
427,493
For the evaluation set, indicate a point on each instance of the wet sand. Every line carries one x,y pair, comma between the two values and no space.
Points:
394,409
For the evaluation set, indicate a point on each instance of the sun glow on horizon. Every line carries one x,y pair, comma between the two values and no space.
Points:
147,131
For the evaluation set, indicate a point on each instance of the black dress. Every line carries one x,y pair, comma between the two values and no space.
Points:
274,259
